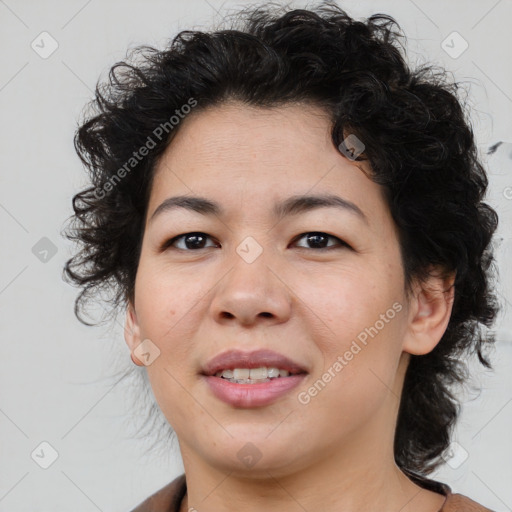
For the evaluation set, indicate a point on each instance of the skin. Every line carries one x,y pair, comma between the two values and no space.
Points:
335,452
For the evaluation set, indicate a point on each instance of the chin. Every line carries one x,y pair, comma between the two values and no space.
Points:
257,456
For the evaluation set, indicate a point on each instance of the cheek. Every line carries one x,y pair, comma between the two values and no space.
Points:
343,301
359,318
164,298
358,373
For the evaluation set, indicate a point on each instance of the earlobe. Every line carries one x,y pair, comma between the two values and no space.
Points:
430,311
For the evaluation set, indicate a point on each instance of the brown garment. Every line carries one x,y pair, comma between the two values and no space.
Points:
168,498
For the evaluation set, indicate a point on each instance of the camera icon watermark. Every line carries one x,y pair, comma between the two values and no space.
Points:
147,352
351,147
507,192
44,455
249,455
44,250
249,250
456,455
454,45
44,45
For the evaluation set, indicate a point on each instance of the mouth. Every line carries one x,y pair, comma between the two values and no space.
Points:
253,375
252,379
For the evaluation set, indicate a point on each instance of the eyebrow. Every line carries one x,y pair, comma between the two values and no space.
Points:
291,206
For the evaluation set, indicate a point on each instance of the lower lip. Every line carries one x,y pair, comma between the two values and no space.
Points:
253,395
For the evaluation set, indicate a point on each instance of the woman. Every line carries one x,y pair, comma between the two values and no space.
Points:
293,220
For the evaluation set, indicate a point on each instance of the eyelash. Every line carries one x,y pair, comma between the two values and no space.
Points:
342,244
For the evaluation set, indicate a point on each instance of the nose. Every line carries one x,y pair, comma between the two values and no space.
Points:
252,292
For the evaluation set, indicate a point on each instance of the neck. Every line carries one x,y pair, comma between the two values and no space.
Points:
338,483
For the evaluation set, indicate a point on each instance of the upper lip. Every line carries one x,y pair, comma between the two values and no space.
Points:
231,359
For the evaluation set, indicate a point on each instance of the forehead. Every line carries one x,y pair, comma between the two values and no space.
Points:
254,133
247,155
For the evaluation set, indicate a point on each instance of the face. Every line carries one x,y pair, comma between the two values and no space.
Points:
320,285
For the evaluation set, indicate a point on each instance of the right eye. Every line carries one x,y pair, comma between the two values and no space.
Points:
191,241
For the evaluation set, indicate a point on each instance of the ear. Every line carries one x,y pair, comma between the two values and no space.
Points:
131,328
430,308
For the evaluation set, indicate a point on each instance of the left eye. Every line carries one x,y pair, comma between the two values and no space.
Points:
317,239
196,240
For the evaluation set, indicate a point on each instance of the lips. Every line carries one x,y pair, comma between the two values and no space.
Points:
232,359
246,395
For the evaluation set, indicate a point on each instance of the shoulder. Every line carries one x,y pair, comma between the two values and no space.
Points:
454,502
167,499
461,503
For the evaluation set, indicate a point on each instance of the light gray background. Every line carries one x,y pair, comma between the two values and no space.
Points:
56,374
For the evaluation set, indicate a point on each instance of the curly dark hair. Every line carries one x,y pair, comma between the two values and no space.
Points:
418,141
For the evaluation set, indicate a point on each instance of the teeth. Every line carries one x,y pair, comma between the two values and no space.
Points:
241,373
246,375
273,372
258,373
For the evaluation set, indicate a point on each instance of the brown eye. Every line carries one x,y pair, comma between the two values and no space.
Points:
189,241
197,240
319,240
